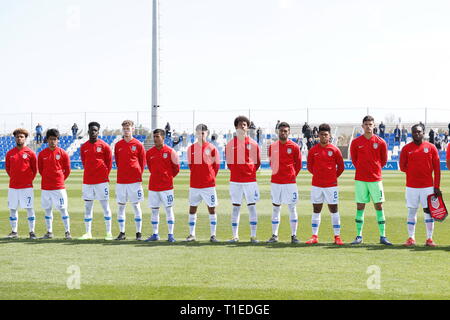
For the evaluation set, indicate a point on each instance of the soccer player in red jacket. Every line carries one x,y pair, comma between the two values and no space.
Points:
54,168
286,162
369,156
419,160
96,156
163,164
204,163
326,164
129,154
21,167
243,159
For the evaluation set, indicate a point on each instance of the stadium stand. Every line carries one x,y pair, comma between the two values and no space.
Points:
6,143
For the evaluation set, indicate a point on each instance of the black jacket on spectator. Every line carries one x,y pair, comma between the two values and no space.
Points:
382,128
308,132
431,136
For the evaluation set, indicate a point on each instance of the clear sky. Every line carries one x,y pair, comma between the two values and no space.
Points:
95,55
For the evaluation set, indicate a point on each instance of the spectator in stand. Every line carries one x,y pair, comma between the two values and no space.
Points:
397,134
175,138
300,142
252,130
167,129
308,133
449,127
214,140
404,134
305,126
310,143
276,126
74,130
39,131
431,136
375,130
316,140
258,135
185,138
382,128
445,141
438,142
315,132
176,141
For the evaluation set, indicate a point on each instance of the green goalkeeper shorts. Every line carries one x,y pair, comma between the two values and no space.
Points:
364,191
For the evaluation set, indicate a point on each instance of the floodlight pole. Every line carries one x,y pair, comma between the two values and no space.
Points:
155,62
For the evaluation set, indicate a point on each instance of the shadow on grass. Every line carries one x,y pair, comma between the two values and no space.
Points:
278,245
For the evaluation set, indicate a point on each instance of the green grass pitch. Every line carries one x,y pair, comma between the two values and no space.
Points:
137,270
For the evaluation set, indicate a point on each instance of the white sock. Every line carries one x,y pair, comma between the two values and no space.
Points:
235,216
170,218
253,217
13,218
121,217
106,214
49,220
429,222
192,221
66,219
31,219
213,223
315,223
155,220
137,216
88,213
411,222
276,215
293,218
336,222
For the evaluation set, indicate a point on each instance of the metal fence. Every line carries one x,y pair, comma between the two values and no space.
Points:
221,120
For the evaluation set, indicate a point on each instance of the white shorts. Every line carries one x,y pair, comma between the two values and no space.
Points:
20,197
239,189
321,195
155,198
209,195
96,191
131,192
418,196
54,198
284,193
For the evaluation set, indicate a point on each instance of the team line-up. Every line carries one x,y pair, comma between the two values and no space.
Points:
419,160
